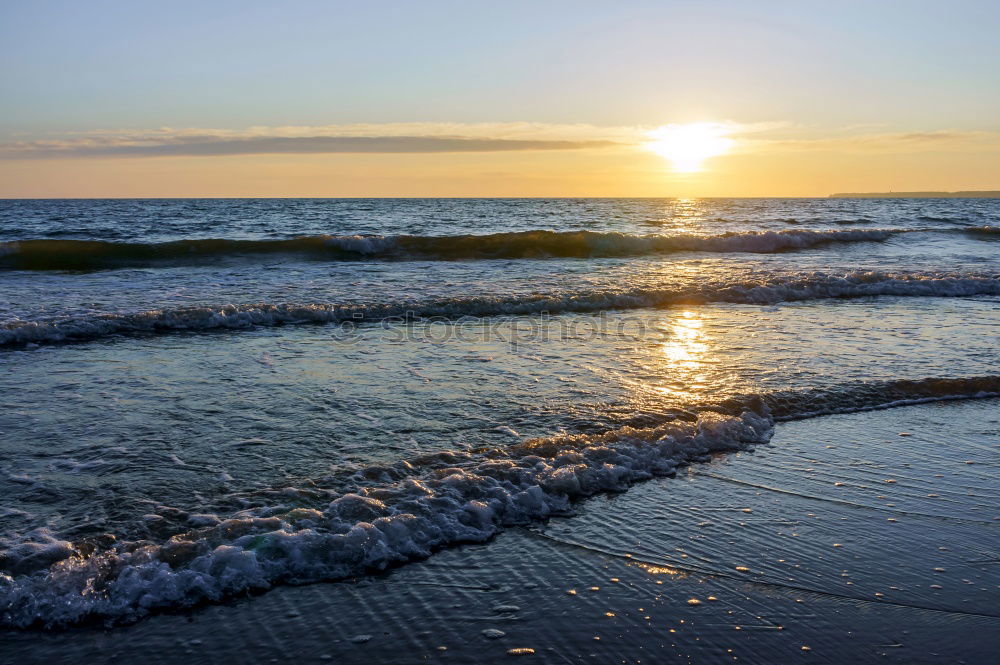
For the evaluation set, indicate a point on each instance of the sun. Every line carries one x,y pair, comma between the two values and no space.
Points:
687,146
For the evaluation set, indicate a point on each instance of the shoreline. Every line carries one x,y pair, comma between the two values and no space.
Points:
626,567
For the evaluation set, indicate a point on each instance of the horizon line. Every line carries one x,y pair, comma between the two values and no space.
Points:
857,195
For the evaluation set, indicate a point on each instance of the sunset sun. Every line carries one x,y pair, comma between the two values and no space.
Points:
688,146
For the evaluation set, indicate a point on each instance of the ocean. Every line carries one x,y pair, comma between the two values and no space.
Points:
207,398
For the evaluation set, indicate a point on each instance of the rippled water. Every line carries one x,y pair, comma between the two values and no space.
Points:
209,396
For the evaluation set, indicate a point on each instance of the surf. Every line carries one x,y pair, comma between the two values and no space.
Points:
402,512
67,254
762,291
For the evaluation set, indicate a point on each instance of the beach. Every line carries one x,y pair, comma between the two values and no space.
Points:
839,541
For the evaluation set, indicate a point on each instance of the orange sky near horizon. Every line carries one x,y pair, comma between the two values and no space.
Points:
616,171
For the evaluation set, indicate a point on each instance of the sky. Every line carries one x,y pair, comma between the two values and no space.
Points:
476,98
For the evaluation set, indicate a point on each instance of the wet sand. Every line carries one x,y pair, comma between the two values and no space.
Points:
870,537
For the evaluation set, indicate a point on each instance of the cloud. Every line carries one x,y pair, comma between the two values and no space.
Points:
898,142
361,138
417,137
298,145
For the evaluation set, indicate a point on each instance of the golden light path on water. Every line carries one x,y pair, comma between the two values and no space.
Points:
679,363
684,353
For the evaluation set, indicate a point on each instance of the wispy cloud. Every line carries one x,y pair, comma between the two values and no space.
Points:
296,145
887,142
416,137
360,138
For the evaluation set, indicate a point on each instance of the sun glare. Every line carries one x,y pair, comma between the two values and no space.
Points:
688,146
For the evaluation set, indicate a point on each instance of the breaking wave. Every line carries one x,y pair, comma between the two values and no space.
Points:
983,231
64,254
397,513
802,286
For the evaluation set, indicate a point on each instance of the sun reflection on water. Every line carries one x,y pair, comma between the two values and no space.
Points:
688,212
683,215
685,351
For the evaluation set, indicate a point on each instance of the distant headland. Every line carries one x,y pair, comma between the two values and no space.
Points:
995,194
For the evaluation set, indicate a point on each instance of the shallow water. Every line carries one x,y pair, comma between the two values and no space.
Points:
802,543
185,423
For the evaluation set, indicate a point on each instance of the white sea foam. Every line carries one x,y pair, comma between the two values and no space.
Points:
52,581
362,244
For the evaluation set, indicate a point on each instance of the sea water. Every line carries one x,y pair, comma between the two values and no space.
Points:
205,397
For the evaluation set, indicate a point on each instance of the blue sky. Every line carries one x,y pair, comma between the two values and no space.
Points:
551,97
907,65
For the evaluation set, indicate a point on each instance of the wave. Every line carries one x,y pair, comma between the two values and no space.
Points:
65,254
786,405
939,218
795,287
404,511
